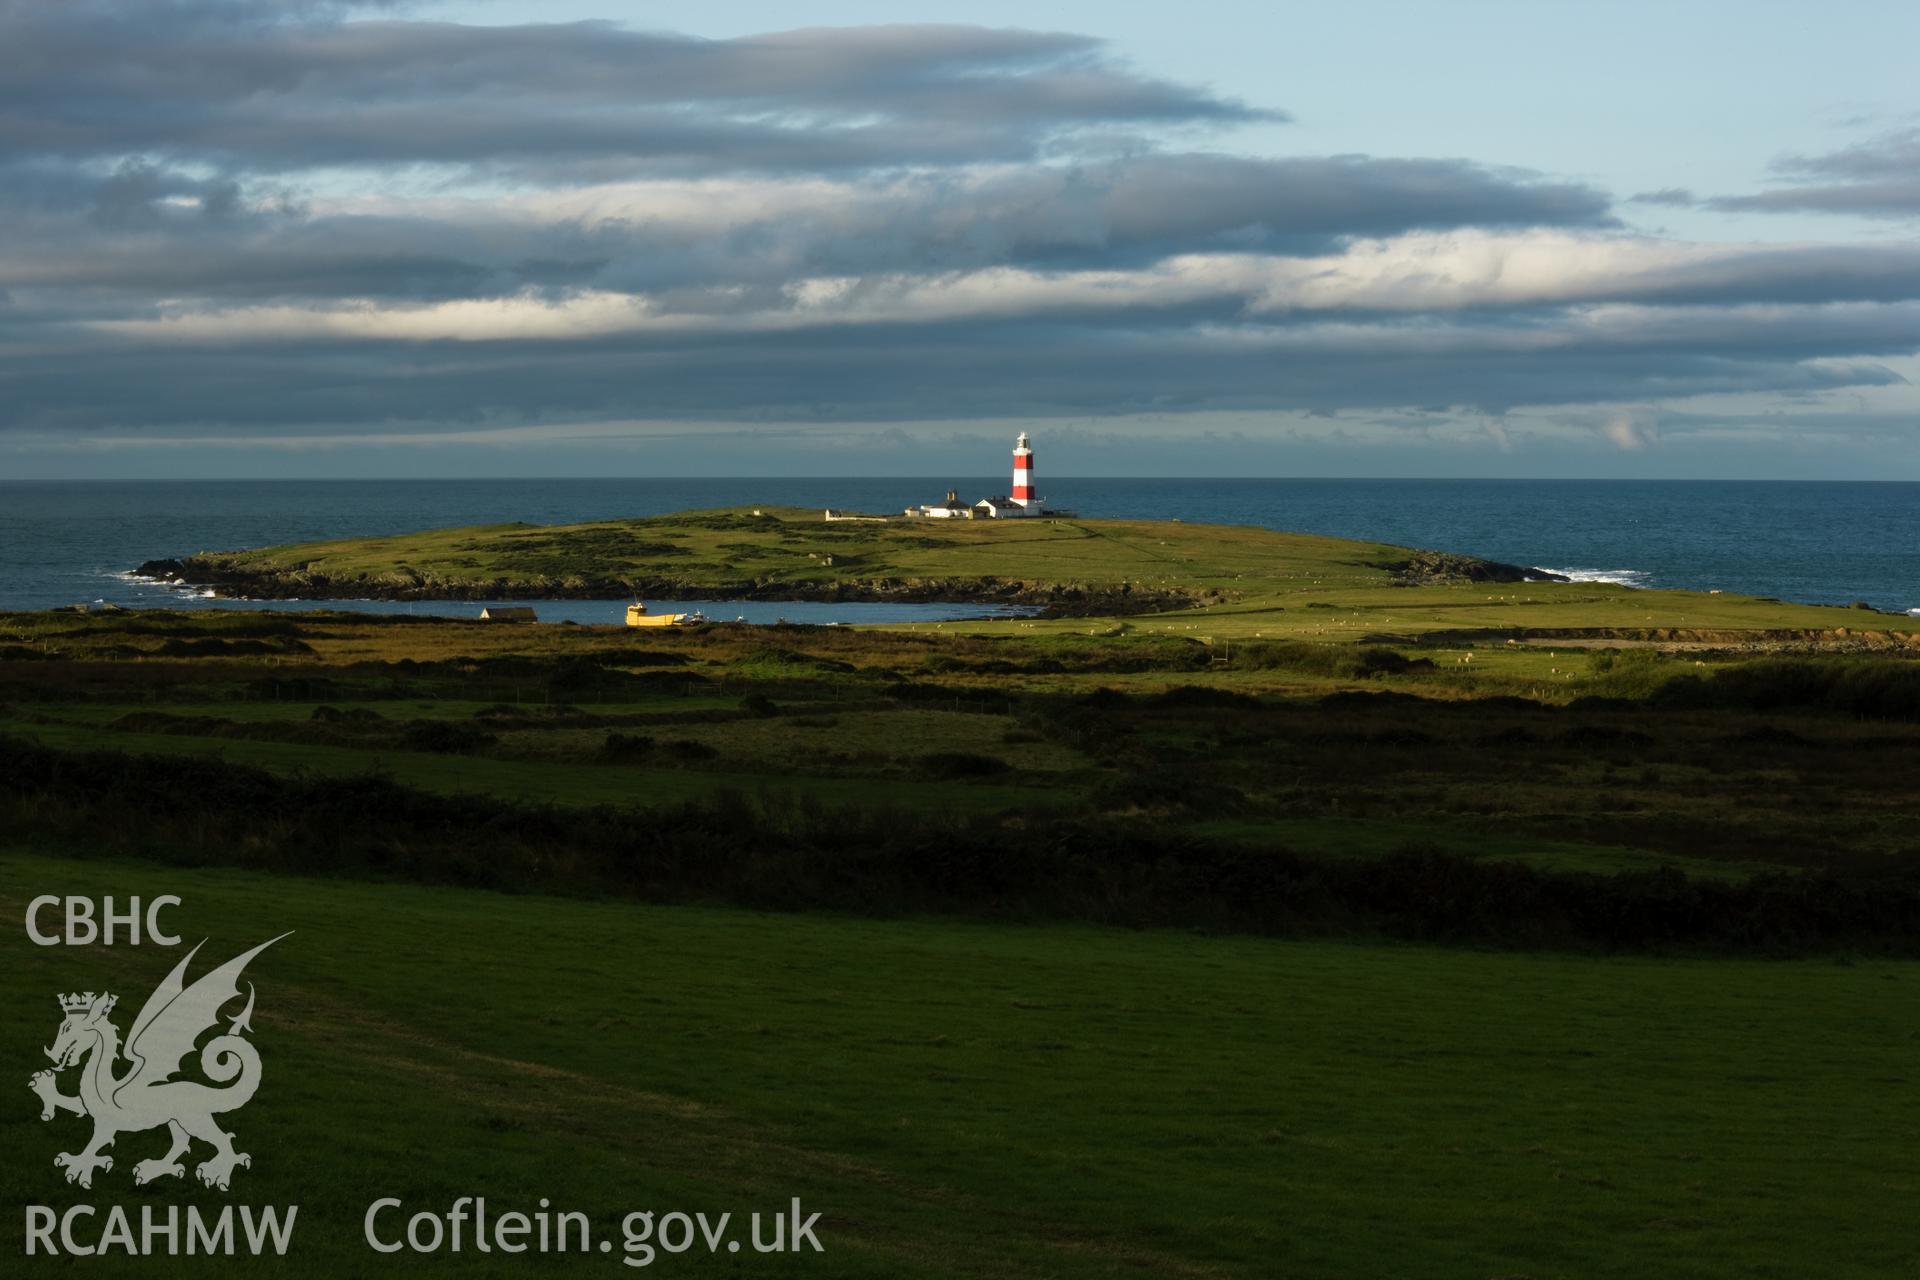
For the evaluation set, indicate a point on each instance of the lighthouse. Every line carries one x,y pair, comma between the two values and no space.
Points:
1024,500
1023,473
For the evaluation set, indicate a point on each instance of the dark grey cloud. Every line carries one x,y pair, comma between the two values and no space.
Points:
1299,204
119,232
1878,178
1038,365
1806,275
280,88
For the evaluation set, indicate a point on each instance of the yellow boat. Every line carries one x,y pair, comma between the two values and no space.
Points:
637,616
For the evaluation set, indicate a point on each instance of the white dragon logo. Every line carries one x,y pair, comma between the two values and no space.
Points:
146,1096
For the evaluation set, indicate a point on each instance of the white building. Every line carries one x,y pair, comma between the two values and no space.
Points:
951,509
1023,501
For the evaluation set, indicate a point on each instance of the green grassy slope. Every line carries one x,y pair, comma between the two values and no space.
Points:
973,1100
799,547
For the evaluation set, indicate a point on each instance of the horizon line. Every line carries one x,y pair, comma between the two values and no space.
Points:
936,478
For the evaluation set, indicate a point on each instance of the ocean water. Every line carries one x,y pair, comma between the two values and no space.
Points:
1814,541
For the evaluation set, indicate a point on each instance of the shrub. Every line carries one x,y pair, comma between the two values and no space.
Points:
1343,662
961,764
1603,736
1629,673
1193,695
444,737
352,715
1869,688
626,746
1168,790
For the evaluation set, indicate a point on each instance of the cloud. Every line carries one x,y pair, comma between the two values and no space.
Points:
282,88
744,231
1477,318
1631,431
1670,197
1544,280
1878,178
303,218
1134,360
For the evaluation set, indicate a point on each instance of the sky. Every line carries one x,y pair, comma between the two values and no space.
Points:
319,238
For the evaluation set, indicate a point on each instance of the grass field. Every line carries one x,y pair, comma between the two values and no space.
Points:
992,1101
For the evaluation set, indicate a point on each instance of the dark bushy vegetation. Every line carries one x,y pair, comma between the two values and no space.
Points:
794,855
445,736
217,647
961,764
350,715
1195,695
1170,788
626,746
1867,688
1334,661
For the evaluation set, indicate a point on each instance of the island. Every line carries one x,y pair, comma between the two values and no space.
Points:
1233,581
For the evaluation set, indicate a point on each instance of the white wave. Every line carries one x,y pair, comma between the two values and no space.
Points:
131,578
1619,577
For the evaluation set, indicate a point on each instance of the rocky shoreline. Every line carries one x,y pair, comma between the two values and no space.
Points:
1057,600
1431,568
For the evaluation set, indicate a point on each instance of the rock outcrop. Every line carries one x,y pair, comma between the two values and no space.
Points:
1425,568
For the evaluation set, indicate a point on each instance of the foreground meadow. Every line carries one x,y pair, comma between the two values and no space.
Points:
969,1099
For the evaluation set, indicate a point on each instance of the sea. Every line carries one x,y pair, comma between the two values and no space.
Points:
1821,542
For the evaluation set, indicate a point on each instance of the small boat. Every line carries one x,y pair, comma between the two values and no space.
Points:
637,616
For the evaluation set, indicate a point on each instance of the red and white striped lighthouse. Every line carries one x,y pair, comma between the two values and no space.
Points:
1022,471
